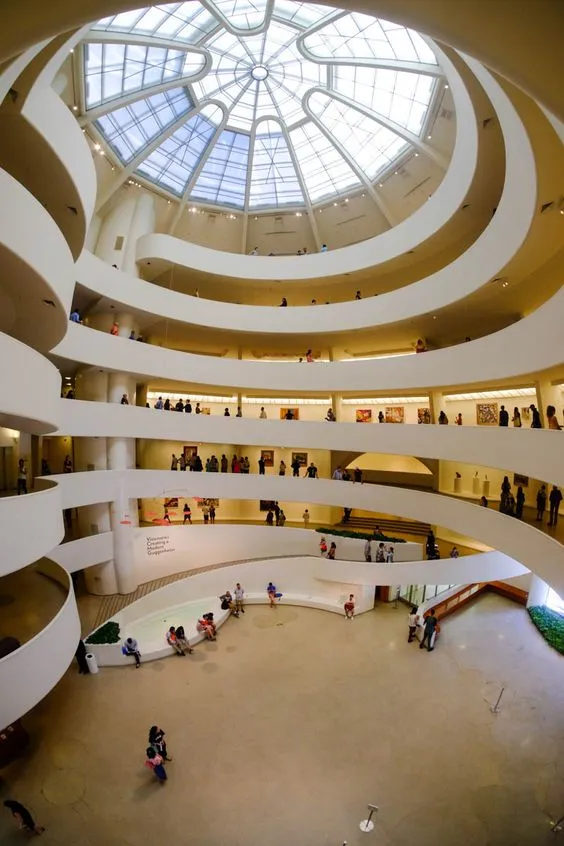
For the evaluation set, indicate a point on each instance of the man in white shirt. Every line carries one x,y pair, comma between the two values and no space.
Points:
390,555
412,623
239,595
367,551
338,474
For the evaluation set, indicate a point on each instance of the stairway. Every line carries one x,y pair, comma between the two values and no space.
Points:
387,525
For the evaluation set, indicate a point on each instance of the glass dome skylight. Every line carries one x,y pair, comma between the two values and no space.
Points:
256,105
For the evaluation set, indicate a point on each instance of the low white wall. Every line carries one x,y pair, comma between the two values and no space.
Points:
30,526
29,387
528,451
29,673
535,550
85,552
497,356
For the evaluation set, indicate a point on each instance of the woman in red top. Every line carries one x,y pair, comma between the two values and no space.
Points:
349,607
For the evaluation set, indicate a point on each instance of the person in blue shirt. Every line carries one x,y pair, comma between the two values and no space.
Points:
271,592
75,316
323,248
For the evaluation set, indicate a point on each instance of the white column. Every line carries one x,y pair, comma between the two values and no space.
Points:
126,323
437,404
115,228
92,385
123,515
538,592
120,384
142,223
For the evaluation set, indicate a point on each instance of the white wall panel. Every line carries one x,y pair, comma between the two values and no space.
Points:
531,452
29,673
536,551
30,526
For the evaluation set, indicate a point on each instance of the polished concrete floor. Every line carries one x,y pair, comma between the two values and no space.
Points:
286,728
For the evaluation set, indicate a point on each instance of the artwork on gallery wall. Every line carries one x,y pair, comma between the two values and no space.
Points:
206,410
364,415
301,457
267,456
518,479
289,414
423,415
171,502
526,414
201,501
266,505
487,414
189,451
394,414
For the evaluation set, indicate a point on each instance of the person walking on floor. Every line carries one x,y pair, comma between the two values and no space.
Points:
332,551
166,515
224,463
519,503
239,595
173,462
536,421
305,517
412,620
503,417
368,550
311,472
380,553
295,467
349,607
155,763
157,741
187,514
271,593
80,656
23,817
429,631
182,462
131,647
261,466
551,418
212,513
516,419
541,504
554,500
22,477
282,469
323,547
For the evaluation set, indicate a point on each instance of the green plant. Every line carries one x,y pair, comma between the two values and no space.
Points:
108,633
345,533
550,625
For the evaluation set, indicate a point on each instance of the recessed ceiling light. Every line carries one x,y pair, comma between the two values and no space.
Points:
429,137
75,108
446,86
416,154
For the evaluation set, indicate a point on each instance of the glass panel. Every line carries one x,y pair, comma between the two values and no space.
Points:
357,36
224,176
187,22
242,14
324,170
302,14
372,146
175,160
273,178
396,95
131,128
112,70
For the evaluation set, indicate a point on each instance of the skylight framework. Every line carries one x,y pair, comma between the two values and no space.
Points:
268,89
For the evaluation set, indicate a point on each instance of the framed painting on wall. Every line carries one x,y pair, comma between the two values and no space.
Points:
289,414
267,456
201,501
301,457
189,451
423,415
487,413
171,502
364,415
518,479
266,505
394,414
526,414
206,410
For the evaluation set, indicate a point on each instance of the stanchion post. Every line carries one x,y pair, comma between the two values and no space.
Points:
368,825
495,708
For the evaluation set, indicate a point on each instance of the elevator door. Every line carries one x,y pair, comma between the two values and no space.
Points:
7,480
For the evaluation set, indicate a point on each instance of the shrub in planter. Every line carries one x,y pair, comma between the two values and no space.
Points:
108,633
550,625
345,533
